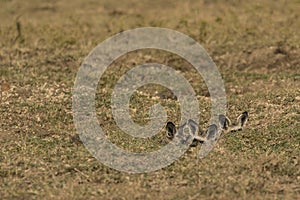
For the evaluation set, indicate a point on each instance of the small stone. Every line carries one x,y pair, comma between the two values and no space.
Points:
5,87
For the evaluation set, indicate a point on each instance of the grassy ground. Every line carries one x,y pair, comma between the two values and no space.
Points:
256,46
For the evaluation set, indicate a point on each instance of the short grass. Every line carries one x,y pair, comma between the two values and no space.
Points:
256,46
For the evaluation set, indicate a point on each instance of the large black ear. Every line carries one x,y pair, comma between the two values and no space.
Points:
194,127
242,119
211,132
171,130
224,122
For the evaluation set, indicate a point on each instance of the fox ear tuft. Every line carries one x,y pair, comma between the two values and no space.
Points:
228,123
211,132
240,122
194,127
224,122
242,119
171,130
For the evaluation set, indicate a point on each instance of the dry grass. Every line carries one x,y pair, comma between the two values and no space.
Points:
256,46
